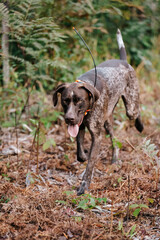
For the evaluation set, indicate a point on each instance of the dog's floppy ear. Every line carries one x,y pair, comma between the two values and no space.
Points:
59,89
93,92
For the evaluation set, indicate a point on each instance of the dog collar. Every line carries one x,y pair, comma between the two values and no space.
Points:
88,110
79,81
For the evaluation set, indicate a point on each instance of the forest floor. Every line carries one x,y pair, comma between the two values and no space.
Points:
38,187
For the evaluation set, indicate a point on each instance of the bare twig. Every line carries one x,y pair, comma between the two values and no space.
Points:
27,101
128,200
38,129
5,44
153,133
92,233
34,139
98,237
111,226
16,136
157,180
130,144
65,141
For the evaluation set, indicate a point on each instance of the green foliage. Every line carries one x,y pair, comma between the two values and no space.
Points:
5,176
151,151
61,202
117,143
33,178
84,202
39,133
149,148
151,200
138,208
50,142
33,44
66,157
13,105
4,199
44,48
11,102
29,179
77,219
130,233
3,10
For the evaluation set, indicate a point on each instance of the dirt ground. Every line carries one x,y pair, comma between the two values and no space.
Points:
38,187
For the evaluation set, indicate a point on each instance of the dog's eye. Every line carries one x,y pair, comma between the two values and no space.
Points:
80,101
66,101
77,100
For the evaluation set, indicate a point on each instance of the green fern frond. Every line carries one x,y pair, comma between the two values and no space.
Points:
17,59
3,9
33,41
3,12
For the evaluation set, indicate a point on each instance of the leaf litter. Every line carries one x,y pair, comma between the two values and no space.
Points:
38,195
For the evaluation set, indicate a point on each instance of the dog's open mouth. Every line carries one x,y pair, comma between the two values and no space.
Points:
74,129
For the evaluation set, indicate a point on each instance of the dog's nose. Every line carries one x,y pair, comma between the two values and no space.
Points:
70,116
69,119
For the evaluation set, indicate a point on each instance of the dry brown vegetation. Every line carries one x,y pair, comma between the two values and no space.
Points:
39,178
38,188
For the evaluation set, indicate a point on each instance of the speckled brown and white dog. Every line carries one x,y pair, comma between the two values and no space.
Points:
92,107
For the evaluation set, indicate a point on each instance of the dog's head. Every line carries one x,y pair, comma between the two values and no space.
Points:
76,99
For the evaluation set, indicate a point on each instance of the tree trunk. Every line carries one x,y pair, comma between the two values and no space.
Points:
5,46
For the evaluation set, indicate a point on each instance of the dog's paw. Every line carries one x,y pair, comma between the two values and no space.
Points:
80,159
82,188
83,156
139,124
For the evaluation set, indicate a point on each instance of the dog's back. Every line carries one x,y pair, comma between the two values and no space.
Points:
120,79
113,72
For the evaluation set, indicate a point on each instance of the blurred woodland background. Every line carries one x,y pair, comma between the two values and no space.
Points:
39,49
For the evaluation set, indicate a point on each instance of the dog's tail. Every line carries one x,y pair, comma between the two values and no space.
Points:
123,55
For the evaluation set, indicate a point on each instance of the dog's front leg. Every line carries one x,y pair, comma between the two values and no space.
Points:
91,161
81,155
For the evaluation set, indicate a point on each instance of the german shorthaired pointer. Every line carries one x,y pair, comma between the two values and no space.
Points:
92,107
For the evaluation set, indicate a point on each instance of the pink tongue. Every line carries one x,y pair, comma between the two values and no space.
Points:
73,130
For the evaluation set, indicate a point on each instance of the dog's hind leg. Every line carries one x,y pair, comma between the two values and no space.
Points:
131,101
108,125
132,111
